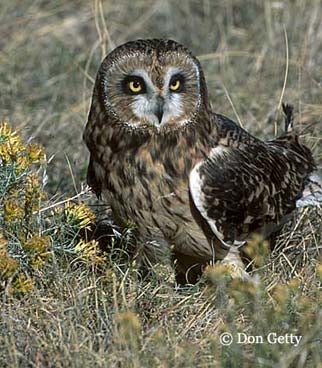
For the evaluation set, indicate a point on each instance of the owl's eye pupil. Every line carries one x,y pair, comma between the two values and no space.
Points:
133,85
176,83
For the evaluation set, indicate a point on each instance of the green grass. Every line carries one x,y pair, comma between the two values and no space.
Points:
77,313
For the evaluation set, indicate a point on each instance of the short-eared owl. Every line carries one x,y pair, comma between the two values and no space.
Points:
191,180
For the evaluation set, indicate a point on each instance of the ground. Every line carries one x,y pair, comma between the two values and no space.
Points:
255,54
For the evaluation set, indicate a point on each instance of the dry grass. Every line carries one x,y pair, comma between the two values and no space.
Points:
78,315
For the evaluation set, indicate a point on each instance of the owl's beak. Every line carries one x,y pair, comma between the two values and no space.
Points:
158,109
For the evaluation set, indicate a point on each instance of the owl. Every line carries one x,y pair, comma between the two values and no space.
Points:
193,183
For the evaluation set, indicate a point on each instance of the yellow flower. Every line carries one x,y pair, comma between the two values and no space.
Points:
78,215
38,244
6,133
8,265
12,210
21,164
37,262
32,182
10,143
3,242
218,273
242,291
22,284
90,252
33,192
35,153
281,294
257,249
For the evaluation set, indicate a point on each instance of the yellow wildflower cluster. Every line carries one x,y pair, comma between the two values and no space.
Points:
22,284
257,249
90,252
8,265
22,192
78,215
13,151
33,193
35,153
22,222
242,291
39,248
10,143
21,195
218,273
23,199
13,209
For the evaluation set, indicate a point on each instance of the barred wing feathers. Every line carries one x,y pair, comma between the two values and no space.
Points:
245,185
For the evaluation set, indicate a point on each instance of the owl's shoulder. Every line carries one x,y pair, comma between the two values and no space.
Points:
231,134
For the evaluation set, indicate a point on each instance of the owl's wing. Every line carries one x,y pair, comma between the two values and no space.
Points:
246,185
93,180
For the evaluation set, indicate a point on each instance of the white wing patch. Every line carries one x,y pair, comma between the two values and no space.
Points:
218,151
195,184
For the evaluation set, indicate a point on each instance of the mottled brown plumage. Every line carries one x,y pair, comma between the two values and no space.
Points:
190,180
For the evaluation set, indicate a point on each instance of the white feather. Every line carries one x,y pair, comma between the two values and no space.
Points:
195,184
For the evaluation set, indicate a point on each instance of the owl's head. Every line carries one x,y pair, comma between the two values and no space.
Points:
151,83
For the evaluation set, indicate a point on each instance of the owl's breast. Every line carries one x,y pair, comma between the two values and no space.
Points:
140,190
154,196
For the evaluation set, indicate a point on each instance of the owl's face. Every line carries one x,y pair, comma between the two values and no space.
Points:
151,83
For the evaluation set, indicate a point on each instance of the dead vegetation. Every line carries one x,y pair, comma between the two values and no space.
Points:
77,313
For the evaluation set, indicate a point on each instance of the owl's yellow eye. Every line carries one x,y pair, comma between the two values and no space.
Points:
175,85
135,86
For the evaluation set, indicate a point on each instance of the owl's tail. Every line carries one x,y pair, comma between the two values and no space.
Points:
289,117
289,127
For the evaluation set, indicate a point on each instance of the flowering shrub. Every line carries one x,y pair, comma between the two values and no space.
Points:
27,238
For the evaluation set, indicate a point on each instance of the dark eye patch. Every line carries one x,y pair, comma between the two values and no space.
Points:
177,78
135,81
